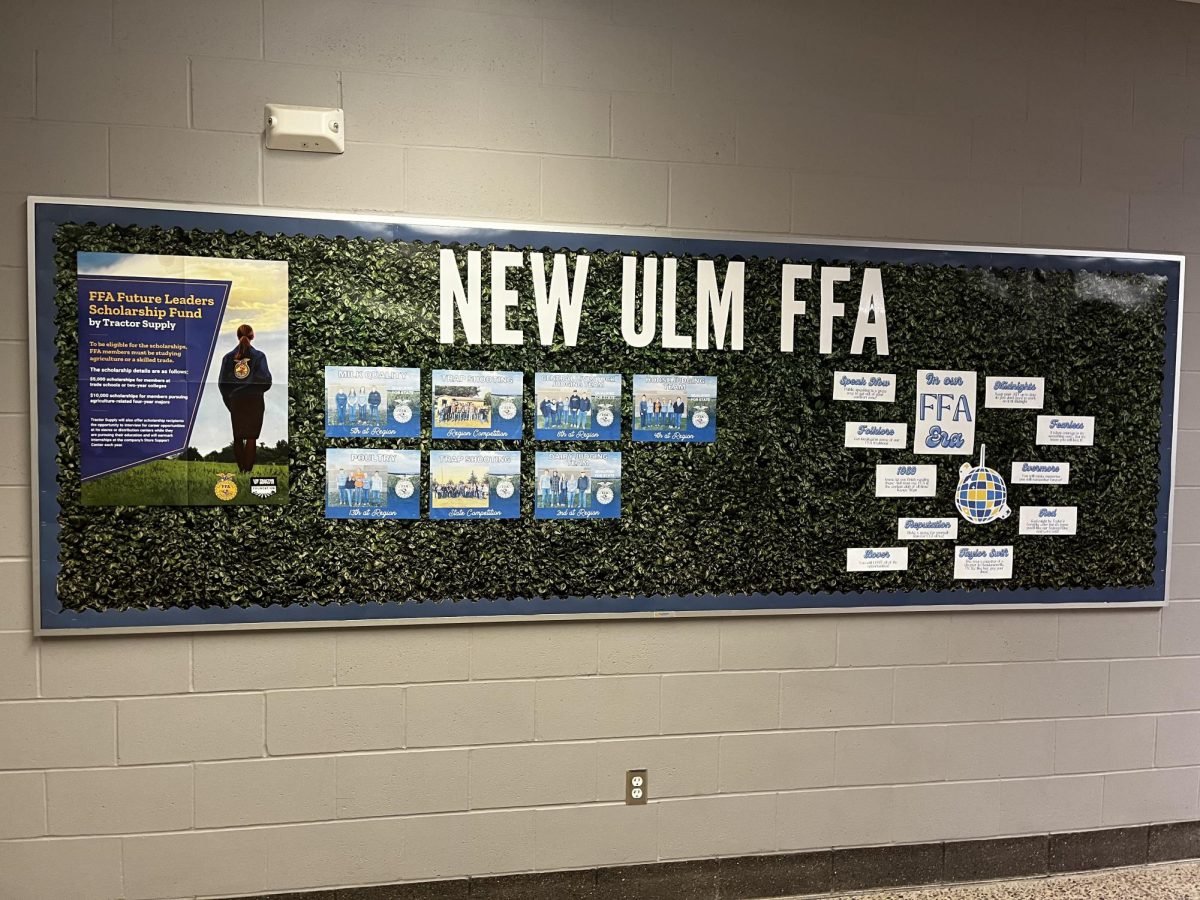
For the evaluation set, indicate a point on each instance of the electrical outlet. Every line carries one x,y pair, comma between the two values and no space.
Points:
637,786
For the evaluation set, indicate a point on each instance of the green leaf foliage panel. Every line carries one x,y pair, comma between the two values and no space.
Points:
768,509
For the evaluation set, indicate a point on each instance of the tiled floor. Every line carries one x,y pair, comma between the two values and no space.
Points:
1170,882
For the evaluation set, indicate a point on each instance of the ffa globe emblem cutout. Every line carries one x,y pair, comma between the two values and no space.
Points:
241,369
226,488
982,496
505,488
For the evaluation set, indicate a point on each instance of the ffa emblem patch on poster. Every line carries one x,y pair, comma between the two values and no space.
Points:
241,369
604,494
982,496
505,488
700,417
226,488
402,413
404,487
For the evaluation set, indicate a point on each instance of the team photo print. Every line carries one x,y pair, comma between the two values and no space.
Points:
577,407
474,484
372,484
372,401
477,405
675,408
577,485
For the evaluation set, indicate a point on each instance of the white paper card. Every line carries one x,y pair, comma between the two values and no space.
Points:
876,559
983,562
914,529
1049,520
945,414
879,435
1015,393
905,481
1077,431
1041,473
873,387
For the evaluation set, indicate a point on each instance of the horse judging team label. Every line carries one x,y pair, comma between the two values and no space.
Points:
876,559
877,435
871,387
914,529
905,481
1049,520
1041,473
983,562
1077,431
1014,393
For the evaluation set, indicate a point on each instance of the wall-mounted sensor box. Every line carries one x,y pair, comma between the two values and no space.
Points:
316,129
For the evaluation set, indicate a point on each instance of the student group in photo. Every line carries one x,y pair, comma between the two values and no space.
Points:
570,490
661,413
575,412
461,490
358,488
359,407
451,411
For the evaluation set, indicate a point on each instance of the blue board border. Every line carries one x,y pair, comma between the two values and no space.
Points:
47,214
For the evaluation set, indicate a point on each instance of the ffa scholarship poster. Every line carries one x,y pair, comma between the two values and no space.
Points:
183,370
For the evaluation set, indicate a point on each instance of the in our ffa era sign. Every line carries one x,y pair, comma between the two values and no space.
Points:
254,418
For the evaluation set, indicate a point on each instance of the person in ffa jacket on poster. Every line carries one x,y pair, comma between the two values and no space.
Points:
244,379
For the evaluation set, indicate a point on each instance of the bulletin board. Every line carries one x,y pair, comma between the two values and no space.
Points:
886,427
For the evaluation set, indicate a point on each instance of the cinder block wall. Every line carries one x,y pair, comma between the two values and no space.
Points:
167,767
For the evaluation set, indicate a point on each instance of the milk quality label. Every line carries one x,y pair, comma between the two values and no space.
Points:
878,435
1049,520
872,387
1015,393
876,559
983,562
1041,473
905,481
1077,431
914,529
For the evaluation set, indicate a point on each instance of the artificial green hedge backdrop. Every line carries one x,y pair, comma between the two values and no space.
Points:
771,507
